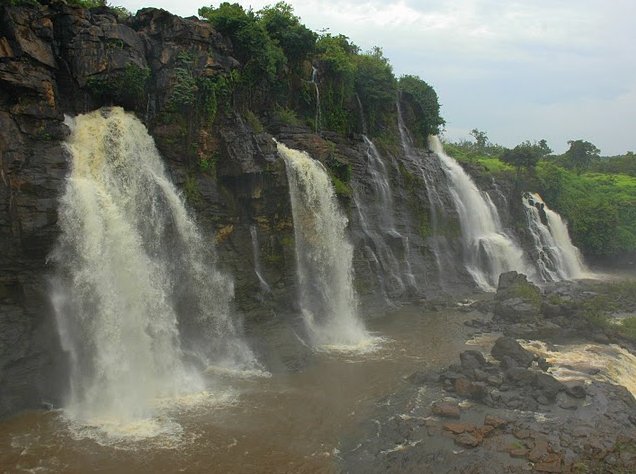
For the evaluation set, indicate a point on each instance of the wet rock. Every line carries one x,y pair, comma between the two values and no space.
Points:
468,389
543,364
494,380
508,347
475,323
520,376
446,409
458,428
495,421
467,440
518,452
548,385
540,449
517,299
472,359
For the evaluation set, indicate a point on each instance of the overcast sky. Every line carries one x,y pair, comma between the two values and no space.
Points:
532,69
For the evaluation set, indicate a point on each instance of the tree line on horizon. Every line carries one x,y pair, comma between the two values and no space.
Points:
580,157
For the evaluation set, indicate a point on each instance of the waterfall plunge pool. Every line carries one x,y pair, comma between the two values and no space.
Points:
297,420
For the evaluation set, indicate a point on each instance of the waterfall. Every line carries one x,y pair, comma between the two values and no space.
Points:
314,81
439,244
136,292
324,256
265,288
375,212
363,121
488,250
556,257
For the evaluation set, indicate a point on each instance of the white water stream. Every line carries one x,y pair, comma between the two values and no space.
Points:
488,249
324,257
131,263
556,257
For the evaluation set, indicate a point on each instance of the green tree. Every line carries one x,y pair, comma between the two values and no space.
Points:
524,155
260,57
336,62
481,139
375,85
543,148
426,106
580,155
296,40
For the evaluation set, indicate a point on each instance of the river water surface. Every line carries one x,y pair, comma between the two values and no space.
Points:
294,420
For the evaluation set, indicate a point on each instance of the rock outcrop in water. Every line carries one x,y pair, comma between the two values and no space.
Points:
58,59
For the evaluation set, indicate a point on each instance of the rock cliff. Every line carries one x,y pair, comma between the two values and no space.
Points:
57,59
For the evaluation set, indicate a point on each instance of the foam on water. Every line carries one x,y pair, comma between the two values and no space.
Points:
605,363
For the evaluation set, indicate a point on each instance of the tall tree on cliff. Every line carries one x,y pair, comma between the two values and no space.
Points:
581,154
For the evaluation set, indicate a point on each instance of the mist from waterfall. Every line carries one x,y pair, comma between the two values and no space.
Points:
324,257
488,250
555,255
138,299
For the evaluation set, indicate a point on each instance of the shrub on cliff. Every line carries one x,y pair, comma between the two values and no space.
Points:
376,87
261,57
335,55
424,107
296,40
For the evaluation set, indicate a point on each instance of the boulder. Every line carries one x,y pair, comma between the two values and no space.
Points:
472,359
509,350
548,386
517,299
446,409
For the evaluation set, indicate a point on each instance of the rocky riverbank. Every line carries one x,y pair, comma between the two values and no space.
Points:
519,402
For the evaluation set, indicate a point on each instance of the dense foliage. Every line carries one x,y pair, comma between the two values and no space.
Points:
119,11
425,106
526,155
357,90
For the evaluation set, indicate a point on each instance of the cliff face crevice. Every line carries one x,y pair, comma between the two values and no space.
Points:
58,59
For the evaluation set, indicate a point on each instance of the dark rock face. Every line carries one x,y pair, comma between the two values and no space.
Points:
529,417
517,299
51,58
510,353
58,59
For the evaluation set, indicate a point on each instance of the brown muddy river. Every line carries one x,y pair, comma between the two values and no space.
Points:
292,421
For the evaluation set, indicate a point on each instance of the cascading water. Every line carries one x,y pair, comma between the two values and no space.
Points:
314,81
438,243
324,256
265,288
136,294
375,214
556,257
363,121
488,250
